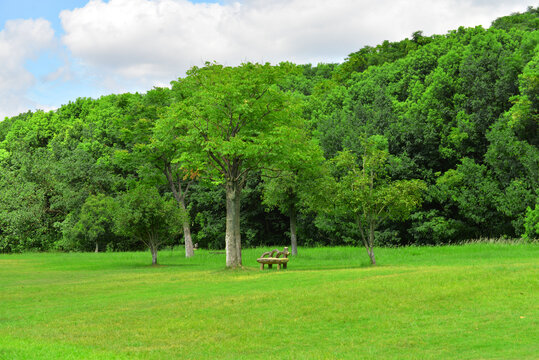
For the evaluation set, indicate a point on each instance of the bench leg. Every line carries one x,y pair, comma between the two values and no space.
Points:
284,266
262,266
279,266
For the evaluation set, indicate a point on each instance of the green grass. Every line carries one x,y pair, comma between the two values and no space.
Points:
476,301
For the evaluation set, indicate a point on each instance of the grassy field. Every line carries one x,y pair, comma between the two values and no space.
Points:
477,301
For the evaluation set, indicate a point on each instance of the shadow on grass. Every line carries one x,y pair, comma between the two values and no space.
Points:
157,266
336,267
256,270
241,270
123,266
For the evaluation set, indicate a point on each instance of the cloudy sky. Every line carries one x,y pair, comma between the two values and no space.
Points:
53,51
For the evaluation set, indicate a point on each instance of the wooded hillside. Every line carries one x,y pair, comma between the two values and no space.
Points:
455,115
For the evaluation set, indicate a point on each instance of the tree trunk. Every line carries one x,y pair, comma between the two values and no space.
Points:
367,239
237,225
179,195
96,247
371,243
371,255
293,237
189,252
232,235
153,249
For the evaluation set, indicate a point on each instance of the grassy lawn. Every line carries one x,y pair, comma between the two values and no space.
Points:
477,301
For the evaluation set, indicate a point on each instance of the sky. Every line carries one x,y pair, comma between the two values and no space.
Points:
54,51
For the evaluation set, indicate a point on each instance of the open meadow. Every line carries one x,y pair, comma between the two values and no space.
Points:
475,301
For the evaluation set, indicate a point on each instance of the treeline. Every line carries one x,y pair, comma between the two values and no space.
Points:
311,151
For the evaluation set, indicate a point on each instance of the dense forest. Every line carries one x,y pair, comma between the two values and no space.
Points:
429,140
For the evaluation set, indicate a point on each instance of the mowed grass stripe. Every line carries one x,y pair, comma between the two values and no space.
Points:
408,310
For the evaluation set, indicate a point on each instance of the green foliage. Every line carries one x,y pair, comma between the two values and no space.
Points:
387,52
459,112
462,97
238,117
367,192
433,228
94,226
531,223
143,214
239,120
513,152
143,211
300,182
259,225
470,191
528,21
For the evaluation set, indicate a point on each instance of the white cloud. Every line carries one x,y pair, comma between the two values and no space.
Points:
20,40
142,43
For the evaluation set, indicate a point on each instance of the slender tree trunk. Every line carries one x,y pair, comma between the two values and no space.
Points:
189,252
232,235
371,243
153,249
179,195
371,255
367,239
96,247
237,219
293,236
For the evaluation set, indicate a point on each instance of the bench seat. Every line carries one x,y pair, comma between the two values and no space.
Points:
270,260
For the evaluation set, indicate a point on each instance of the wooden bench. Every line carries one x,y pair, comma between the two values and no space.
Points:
273,257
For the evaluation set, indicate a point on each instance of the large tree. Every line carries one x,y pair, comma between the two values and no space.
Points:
240,120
